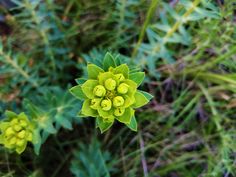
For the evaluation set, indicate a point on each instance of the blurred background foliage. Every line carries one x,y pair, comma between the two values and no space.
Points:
188,51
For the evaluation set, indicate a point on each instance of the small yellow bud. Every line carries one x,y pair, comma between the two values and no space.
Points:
95,103
123,88
99,91
23,123
13,140
14,121
118,101
20,142
21,134
120,77
119,111
17,128
110,84
106,104
10,131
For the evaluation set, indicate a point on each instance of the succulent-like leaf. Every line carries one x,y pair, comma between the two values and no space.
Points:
146,94
132,87
103,125
122,69
80,81
78,92
126,117
87,110
88,87
108,61
133,124
137,77
93,71
10,114
140,100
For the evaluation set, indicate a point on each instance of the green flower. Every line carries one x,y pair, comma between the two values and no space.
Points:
16,132
123,88
110,94
99,91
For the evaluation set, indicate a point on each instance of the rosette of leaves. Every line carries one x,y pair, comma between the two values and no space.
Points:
16,131
110,93
54,109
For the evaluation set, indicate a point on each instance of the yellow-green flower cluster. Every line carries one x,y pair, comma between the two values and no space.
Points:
16,132
111,94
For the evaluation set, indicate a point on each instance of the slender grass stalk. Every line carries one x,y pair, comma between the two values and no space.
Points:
212,63
211,104
149,15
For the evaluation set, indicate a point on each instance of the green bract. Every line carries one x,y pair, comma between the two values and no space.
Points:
111,94
16,131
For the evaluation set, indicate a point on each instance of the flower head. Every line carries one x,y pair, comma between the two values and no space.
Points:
110,84
110,94
123,88
99,91
16,132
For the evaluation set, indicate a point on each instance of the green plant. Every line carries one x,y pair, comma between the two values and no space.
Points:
111,93
91,161
17,131
187,51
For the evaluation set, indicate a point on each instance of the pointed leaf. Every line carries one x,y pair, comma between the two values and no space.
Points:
106,114
77,92
132,87
87,110
128,101
22,116
140,100
37,141
126,117
50,128
88,87
80,81
146,94
93,71
21,149
133,124
137,77
122,69
63,121
108,61
103,126
10,114
80,115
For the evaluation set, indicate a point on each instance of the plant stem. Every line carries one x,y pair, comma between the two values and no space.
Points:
41,32
176,25
11,62
209,64
149,15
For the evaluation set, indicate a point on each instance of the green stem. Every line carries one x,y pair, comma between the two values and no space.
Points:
216,116
42,33
149,15
209,64
177,24
11,62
